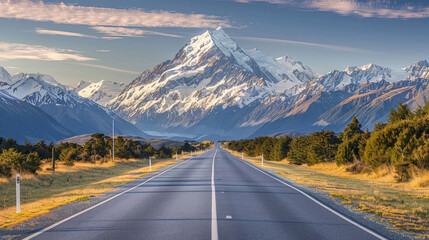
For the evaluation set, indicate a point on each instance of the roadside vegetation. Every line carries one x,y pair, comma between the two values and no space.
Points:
81,171
27,158
384,172
402,145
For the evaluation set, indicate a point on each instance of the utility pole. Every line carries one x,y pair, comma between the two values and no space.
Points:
113,140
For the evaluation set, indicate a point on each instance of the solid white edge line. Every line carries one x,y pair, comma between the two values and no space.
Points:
100,203
214,210
316,201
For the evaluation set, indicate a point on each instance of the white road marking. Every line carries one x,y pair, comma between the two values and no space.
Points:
214,213
98,204
318,202
228,217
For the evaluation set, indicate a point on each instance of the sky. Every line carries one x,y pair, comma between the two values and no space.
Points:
116,40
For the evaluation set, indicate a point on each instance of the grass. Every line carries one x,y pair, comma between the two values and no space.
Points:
68,184
406,205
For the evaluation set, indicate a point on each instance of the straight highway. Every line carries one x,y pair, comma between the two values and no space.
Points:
213,195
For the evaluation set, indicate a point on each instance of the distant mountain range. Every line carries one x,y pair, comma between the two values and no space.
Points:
213,89
76,114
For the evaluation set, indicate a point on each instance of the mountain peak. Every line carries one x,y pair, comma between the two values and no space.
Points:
4,75
419,69
200,45
100,92
349,69
366,66
422,63
37,76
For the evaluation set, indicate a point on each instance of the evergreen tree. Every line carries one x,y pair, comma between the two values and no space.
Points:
402,112
349,149
352,129
298,151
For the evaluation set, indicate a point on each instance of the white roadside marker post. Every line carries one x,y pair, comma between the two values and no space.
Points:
262,160
150,164
18,194
113,140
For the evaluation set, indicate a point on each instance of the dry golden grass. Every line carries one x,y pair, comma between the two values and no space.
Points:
405,204
48,190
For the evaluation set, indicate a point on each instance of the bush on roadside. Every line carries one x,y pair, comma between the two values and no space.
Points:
21,162
5,170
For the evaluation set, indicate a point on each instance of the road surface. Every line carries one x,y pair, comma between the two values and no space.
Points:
210,196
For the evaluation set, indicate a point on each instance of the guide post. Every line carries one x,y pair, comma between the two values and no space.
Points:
18,194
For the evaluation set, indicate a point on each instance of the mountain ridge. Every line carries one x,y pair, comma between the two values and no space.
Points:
77,114
212,79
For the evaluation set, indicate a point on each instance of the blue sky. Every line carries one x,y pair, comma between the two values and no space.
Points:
116,40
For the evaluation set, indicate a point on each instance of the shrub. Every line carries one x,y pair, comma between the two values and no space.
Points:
31,163
5,170
402,172
21,162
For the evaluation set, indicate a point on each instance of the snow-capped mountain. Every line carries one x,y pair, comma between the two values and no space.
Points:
284,69
24,122
214,89
335,79
318,108
100,92
77,114
209,79
418,70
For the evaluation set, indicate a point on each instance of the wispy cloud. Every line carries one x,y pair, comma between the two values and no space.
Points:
108,68
62,33
273,40
130,32
102,50
10,51
376,9
11,67
97,16
350,7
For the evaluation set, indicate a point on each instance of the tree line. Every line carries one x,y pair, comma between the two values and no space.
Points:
28,158
402,143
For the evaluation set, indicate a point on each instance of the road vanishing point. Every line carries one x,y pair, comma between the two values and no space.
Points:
214,195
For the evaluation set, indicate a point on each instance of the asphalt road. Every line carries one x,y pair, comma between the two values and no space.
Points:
210,196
